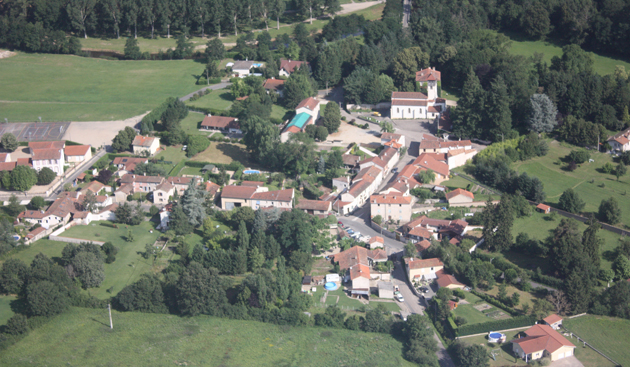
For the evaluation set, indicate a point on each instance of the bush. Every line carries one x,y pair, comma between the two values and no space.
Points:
153,210
579,156
17,325
196,144
45,176
459,293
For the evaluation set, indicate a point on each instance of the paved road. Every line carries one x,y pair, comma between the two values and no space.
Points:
76,174
221,85
406,12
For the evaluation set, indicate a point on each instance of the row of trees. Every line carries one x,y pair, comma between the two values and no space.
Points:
22,178
113,17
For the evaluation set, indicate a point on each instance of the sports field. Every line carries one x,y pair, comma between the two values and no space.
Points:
35,131
82,337
72,88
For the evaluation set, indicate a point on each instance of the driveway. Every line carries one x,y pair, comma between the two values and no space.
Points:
221,85
567,362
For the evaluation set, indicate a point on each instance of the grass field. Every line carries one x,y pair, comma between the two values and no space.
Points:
602,65
544,228
82,337
224,153
71,88
550,171
5,308
129,264
191,124
220,99
608,334
472,315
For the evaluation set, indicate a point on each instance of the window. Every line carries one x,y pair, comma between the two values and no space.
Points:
431,268
398,110
409,110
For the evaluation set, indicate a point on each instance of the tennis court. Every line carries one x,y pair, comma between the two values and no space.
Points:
35,131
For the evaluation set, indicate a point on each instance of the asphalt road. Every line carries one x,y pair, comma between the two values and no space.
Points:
212,87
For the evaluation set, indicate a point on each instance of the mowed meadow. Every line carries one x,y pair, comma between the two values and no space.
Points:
72,88
82,337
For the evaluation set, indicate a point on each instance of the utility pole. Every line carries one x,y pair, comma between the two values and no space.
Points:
111,323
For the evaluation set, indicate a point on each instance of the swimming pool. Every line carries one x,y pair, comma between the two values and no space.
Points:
251,171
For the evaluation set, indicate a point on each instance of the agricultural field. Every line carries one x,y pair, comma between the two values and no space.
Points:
82,337
72,88
602,65
591,185
608,334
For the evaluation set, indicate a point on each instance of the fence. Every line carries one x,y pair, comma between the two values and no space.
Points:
55,236
378,106
471,204
385,232
590,346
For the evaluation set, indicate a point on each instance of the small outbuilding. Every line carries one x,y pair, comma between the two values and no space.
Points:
386,290
554,321
546,209
306,283
332,278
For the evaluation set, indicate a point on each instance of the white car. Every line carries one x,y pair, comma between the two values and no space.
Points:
399,297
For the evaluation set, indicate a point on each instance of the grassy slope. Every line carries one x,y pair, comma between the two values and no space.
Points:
220,99
608,334
129,264
556,180
82,338
83,89
602,65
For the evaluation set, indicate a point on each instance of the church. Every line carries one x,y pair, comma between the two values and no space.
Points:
417,105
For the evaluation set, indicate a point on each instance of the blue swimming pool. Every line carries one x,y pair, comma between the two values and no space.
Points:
331,286
251,171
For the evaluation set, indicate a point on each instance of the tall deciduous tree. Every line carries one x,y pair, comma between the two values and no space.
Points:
215,50
114,11
405,66
9,142
261,138
277,9
79,12
200,291
332,117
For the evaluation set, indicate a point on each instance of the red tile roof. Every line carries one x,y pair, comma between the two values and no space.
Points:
390,199
174,180
408,95
278,195
274,84
408,102
376,239
542,337
76,150
40,154
444,280
427,74
310,103
390,136
212,188
130,178
350,159
35,232
7,166
24,162
358,255
456,192
305,204
422,245
238,192
428,162
290,65
3,157
552,319
414,263
359,271
143,141
543,207
59,144
434,109
252,183
220,122
420,232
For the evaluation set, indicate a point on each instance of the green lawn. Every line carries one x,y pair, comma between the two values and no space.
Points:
72,88
472,315
82,337
5,308
191,124
129,264
49,248
146,44
544,228
173,154
279,112
608,334
601,64
556,180
220,99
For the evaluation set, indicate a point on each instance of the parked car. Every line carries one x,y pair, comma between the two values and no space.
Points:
349,231
375,113
339,222
424,289
399,297
185,147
